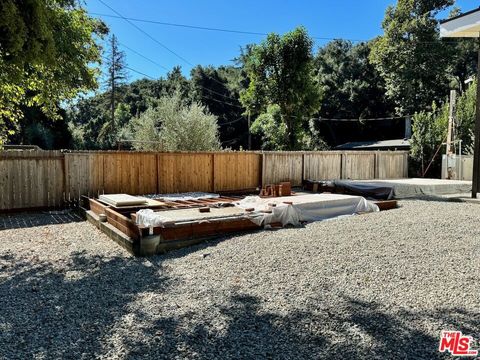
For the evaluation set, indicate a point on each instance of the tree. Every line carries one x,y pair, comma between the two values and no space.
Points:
173,125
271,128
429,132
280,71
218,89
410,55
117,76
350,83
46,52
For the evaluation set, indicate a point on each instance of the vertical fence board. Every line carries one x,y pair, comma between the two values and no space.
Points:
358,165
323,165
390,165
236,171
283,166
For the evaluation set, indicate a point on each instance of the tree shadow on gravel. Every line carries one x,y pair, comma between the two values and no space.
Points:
47,312
360,330
75,314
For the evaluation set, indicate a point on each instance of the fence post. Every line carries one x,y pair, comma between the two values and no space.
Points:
263,169
213,173
303,168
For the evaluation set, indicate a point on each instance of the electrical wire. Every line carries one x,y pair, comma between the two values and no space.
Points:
146,34
234,31
171,51
360,120
143,56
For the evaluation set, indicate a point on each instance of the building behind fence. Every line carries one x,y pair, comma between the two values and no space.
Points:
34,179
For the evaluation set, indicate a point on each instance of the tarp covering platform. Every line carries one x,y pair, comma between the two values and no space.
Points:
418,187
392,188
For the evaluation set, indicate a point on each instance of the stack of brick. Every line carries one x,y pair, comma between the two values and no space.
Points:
282,189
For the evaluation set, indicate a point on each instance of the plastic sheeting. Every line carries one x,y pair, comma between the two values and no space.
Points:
310,207
367,189
149,218
184,196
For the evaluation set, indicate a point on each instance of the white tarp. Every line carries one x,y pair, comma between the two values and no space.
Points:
185,196
288,210
149,218
309,207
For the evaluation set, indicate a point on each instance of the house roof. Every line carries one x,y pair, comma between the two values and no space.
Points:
369,145
463,25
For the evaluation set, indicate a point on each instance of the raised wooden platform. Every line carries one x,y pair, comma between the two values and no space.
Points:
183,223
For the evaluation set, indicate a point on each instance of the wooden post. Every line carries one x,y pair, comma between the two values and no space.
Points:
249,133
476,151
453,94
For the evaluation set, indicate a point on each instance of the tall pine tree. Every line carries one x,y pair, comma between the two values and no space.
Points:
116,76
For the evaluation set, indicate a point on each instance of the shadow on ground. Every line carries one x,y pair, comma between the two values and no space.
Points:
361,331
39,218
49,313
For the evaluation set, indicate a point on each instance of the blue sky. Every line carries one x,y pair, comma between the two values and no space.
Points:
349,19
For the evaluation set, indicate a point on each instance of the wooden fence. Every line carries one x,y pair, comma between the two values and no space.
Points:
331,165
34,179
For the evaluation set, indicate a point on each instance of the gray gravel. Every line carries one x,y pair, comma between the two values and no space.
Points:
376,286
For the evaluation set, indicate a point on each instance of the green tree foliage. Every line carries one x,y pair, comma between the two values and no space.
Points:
218,89
173,125
116,76
280,72
350,84
271,128
46,48
410,55
429,132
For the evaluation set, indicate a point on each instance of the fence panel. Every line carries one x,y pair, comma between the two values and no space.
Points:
324,165
31,179
358,165
391,165
184,172
129,172
282,166
83,174
236,171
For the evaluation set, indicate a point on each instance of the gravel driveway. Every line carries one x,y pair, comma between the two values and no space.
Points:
376,286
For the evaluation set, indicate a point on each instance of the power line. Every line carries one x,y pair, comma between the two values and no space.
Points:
204,27
233,121
165,68
203,96
146,34
167,48
360,120
182,25
234,31
143,56
131,69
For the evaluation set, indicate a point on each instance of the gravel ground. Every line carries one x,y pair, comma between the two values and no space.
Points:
376,286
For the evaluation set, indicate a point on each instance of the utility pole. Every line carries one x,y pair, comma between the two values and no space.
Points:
450,157
451,114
